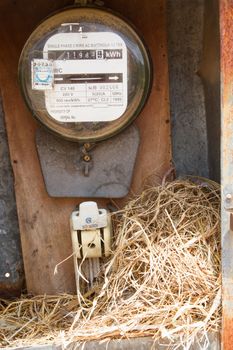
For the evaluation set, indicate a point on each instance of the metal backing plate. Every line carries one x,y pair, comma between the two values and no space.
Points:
110,170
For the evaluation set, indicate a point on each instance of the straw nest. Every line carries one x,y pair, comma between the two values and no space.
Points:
163,279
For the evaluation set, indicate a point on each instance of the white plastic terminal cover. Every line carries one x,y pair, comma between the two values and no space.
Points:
89,217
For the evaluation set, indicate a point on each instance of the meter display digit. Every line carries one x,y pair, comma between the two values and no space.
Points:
85,74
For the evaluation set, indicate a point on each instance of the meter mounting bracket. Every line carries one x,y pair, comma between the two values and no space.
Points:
110,169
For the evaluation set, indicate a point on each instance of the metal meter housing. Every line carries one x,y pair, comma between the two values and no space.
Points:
85,73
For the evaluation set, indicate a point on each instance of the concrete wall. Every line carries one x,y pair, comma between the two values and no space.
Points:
11,265
193,51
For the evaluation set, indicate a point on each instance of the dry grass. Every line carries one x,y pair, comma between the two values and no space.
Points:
35,319
162,281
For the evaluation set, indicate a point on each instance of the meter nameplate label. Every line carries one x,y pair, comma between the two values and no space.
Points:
42,74
90,77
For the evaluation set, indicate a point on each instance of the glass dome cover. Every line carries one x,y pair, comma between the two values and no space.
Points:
85,74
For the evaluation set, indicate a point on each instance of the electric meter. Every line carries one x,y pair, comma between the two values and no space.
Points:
85,74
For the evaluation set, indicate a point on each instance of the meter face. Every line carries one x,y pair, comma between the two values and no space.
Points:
90,80
85,74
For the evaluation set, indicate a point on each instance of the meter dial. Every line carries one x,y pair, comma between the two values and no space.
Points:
85,74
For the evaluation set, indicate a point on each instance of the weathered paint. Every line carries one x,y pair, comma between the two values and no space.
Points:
226,34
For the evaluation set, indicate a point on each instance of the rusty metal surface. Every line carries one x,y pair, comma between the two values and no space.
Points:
226,34
107,174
